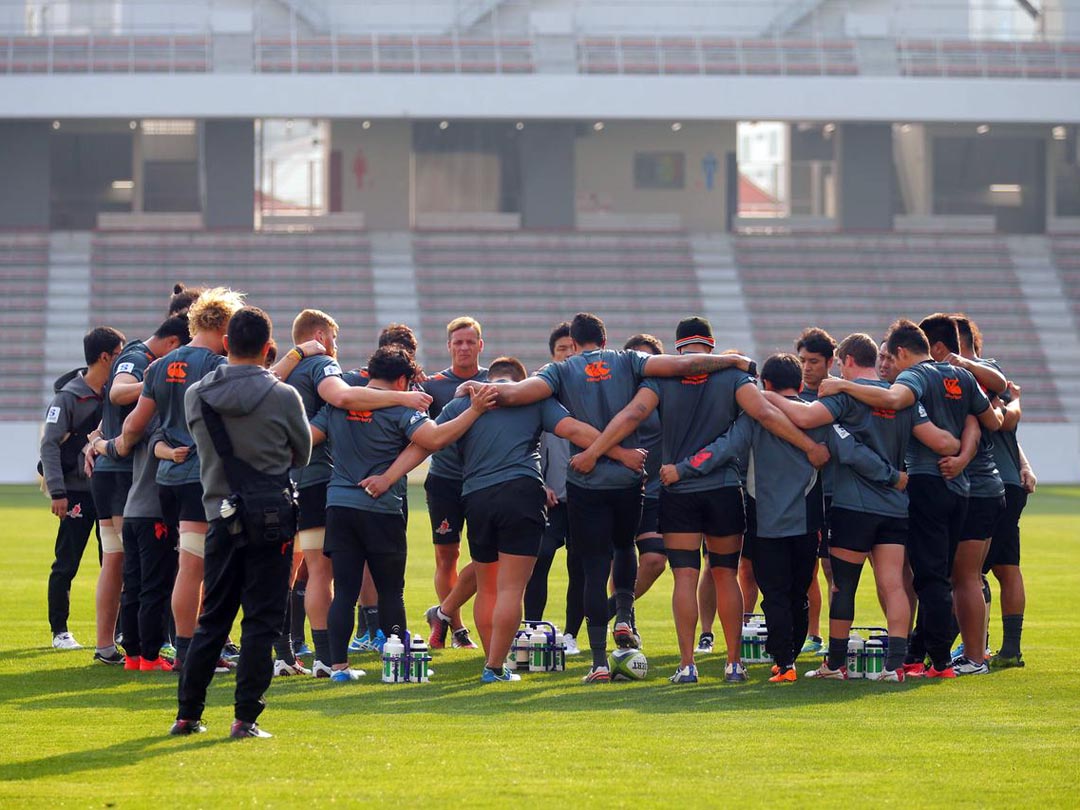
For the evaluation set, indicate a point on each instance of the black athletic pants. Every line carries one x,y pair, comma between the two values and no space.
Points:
256,578
935,521
71,539
555,533
784,568
150,560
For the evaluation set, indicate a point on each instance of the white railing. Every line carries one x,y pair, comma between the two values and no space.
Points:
988,58
97,53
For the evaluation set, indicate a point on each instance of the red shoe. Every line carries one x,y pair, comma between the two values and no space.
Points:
914,670
933,672
439,629
132,663
159,664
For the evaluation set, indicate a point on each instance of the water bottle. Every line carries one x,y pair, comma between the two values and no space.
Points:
855,648
537,650
418,660
393,653
558,658
521,650
873,659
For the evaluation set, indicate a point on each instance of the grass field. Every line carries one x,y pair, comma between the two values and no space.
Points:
77,734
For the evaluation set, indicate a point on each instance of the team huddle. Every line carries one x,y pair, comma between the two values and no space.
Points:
223,476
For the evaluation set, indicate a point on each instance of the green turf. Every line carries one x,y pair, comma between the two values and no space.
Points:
77,734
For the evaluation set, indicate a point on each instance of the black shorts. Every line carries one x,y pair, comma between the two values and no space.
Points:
982,518
602,520
182,502
507,518
312,507
825,534
712,512
861,531
556,531
110,490
650,517
1005,544
359,530
445,508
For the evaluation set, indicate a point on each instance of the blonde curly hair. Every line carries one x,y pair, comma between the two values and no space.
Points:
212,310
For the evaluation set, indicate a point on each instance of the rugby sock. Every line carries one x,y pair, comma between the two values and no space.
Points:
298,613
182,644
321,640
598,644
361,622
894,658
371,619
1011,627
838,652
107,651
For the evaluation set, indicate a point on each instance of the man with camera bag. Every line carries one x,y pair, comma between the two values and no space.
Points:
249,429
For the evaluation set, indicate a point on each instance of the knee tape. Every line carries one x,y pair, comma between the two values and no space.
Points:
193,543
680,558
110,540
730,560
846,579
311,539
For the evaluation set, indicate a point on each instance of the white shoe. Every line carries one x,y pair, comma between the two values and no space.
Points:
320,670
65,641
824,673
571,645
890,675
284,670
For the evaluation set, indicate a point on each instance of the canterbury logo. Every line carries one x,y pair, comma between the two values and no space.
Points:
696,379
598,371
75,511
444,527
359,416
884,413
952,388
176,372
700,458
161,531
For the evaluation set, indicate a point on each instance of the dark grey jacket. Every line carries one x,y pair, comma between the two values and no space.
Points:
74,404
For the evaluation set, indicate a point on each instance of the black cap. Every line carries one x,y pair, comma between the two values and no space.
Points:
694,330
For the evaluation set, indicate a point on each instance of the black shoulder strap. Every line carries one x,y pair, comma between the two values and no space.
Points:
235,469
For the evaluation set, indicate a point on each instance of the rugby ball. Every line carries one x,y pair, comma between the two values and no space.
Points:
628,665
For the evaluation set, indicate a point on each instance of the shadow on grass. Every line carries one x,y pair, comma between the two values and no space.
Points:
129,752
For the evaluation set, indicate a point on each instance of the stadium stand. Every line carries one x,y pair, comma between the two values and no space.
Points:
989,59
846,283
520,285
24,262
122,53
1066,253
133,272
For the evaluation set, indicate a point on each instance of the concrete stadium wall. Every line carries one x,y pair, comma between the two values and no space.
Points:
1053,449
374,171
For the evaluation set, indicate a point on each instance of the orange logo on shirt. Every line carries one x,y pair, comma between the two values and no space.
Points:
884,413
359,416
176,372
952,388
699,458
695,379
598,371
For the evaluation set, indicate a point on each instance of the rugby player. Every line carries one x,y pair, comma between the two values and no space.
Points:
360,529
319,381
73,413
786,498
694,409
937,505
816,349
164,386
868,519
446,508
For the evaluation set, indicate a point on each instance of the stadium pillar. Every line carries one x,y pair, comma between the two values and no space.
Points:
24,165
228,174
546,154
866,177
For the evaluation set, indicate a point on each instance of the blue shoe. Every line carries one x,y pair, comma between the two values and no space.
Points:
347,675
491,676
735,673
377,643
360,644
167,651
687,674
302,649
812,645
959,651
